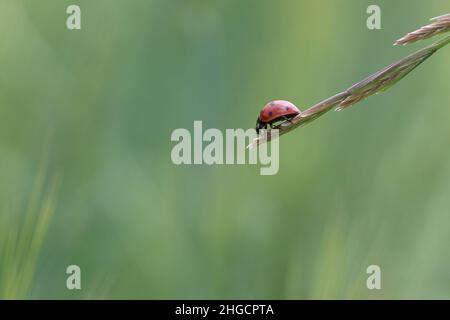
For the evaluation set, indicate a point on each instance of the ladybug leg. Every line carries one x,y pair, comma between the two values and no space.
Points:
287,118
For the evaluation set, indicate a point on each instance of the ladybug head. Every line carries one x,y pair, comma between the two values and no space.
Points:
260,125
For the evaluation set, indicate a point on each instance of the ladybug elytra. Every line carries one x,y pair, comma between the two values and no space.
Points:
274,111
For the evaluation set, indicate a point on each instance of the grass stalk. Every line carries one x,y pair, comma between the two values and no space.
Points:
22,236
373,84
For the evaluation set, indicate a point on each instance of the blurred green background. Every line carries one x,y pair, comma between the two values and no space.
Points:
86,175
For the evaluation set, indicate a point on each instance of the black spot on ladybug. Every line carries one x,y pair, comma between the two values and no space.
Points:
287,108
270,113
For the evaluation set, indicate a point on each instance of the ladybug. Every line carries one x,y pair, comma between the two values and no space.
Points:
274,111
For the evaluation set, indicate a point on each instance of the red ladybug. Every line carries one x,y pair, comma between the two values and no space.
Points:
274,111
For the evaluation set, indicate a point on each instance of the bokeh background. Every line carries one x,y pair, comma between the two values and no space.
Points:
86,175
